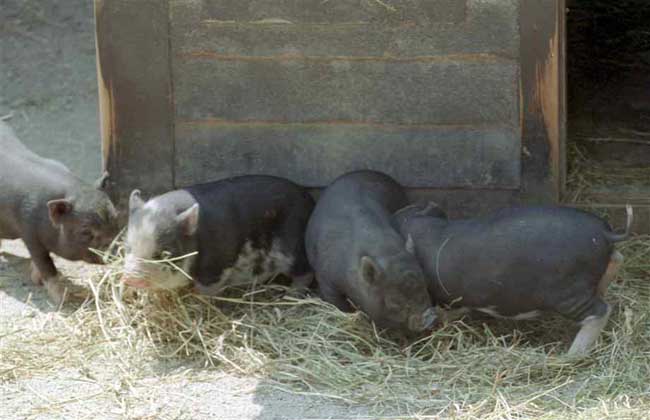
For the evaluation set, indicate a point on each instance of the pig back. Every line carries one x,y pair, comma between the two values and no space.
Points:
367,188
248,208
25,172
353,217
527,257
27,182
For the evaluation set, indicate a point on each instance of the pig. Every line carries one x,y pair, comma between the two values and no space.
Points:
520,262
52,211
241,230
360,258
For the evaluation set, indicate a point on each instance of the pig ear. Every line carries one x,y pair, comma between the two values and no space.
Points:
58,209
135,202
410,245
369,270
189,220
102,182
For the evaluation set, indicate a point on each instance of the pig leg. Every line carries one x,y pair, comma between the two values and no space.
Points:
451,315
302,282
35,275
336,298
612,268
593,324
293,239
206,288
591,327
44,270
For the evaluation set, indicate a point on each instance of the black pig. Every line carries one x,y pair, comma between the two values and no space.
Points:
520,262
243,229
358,254
51,210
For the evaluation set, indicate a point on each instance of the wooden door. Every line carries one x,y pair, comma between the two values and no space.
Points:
451,97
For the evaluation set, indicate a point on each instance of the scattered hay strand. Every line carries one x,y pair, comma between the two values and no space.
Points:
475,369
587,174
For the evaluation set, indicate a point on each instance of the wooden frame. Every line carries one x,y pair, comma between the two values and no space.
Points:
543,97
135,95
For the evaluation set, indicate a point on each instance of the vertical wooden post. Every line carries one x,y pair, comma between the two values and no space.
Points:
135,95
542,99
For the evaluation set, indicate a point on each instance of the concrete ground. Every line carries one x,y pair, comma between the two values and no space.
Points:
48,93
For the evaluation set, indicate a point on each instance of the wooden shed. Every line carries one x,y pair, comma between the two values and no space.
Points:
459,100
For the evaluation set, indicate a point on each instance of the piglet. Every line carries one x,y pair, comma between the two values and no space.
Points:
520,262
51,210
236,231
359,256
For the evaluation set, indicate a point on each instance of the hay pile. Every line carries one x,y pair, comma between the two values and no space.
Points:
587,173
478,369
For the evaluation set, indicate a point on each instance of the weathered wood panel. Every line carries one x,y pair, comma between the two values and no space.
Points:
427,91
136,113
296,90
438,93
459,203
319,11
488,27
616,215
466,203
315,154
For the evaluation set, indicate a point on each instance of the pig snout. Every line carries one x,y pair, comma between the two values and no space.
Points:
136,282
134,275
92,258
422,321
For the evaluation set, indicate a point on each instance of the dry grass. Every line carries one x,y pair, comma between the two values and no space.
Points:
475,369
587,174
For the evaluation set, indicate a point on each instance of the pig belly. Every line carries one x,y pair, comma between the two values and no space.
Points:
515,294
255,266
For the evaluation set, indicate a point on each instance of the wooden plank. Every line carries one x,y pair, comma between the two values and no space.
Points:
440,91
543,99
323,12
315,154
488,28
136,111
466,203
616,215
622,194
459,203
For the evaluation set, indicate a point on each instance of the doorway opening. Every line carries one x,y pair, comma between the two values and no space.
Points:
608,101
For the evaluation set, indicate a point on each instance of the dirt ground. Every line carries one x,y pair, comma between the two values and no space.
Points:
48,93
68,393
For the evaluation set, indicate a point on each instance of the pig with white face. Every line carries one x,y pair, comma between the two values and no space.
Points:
520,262
359,256
51,210
236,231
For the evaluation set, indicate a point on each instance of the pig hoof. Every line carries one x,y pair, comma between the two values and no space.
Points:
302,282
590,329
56,291
36,276
447,316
